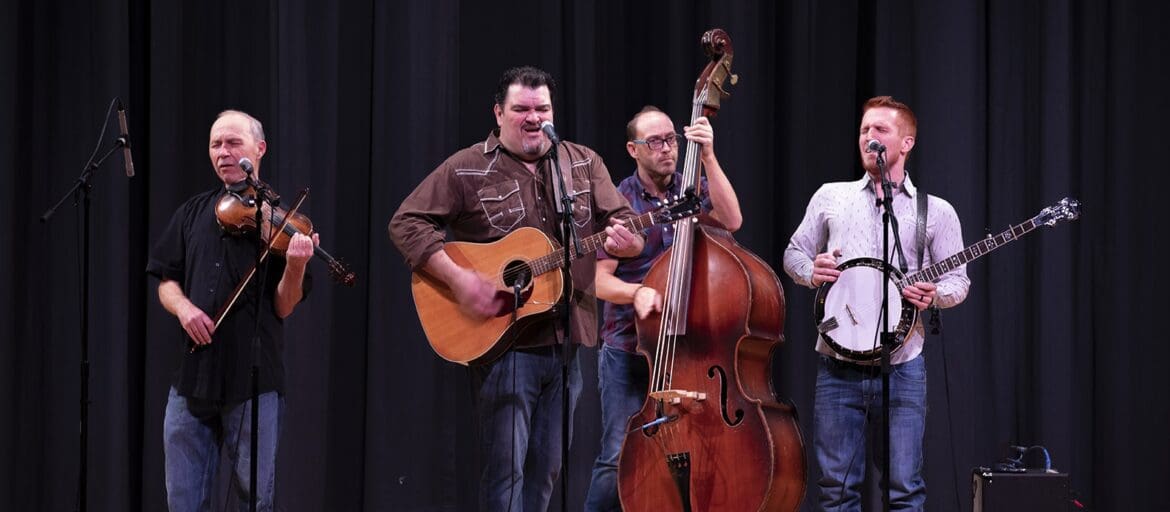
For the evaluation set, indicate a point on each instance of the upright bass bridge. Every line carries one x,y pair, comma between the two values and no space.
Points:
676,396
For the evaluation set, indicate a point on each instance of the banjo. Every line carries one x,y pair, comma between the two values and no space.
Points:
847,312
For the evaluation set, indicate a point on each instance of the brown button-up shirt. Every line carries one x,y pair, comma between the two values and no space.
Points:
482,193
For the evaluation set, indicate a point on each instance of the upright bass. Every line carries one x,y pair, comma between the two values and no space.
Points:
713,434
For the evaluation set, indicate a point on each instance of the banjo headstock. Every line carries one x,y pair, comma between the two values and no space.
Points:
1065,209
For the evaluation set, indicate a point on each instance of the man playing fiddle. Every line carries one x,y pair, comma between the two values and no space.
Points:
198,266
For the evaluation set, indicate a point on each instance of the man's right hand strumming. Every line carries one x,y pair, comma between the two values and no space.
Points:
476,296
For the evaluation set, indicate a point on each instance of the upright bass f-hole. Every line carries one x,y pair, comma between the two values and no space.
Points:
716,372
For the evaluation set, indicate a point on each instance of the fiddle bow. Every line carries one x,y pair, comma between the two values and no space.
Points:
235,213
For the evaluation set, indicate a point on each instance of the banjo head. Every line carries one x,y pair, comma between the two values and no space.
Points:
847,312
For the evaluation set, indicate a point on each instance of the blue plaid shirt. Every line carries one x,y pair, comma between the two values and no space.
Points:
617,328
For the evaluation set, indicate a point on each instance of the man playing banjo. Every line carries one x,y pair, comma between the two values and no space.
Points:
843,222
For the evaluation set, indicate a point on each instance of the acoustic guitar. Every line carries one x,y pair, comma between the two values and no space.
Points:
523,261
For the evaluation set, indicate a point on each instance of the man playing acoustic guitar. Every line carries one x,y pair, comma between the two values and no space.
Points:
484,193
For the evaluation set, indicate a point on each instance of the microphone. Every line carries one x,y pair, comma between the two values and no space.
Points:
550,132
124,141
874,146
246,166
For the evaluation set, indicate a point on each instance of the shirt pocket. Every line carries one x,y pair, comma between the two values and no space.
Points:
502,205
582,202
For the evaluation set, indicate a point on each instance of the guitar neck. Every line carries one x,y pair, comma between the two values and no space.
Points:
974,251
589,245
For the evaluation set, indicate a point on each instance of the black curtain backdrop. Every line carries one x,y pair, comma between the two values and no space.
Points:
1020,104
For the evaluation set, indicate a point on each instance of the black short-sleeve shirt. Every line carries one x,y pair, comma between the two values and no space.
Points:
207,263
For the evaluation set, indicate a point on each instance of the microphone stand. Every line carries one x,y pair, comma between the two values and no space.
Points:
887,337
261,267
83,187
569,241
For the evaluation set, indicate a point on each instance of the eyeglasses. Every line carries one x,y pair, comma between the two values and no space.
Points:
655,143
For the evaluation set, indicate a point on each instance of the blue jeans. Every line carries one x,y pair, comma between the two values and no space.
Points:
193,431
848,412
519,407
622,378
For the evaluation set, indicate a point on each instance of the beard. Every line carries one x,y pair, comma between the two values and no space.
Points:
663,169
532,148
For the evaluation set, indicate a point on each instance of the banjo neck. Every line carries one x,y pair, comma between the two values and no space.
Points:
935,272
1066,209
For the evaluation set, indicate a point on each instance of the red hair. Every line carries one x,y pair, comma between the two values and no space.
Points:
908,119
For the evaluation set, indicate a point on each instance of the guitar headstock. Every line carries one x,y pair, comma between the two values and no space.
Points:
680,207
1065,209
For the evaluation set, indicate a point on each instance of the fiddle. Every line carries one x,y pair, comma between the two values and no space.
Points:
236,214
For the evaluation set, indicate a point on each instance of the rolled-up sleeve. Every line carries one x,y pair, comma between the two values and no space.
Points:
418,227
166,261
607,201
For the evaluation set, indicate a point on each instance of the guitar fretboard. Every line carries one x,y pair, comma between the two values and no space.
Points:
935,272
589,245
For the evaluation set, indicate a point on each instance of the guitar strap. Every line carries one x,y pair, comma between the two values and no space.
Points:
922,211
935,322
898,244
566,174
566,167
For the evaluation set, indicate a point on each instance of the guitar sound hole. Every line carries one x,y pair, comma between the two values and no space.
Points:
515,273
518,272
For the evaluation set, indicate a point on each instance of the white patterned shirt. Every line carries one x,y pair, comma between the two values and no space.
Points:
845,216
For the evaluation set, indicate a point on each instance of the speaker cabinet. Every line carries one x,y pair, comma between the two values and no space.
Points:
1033,490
